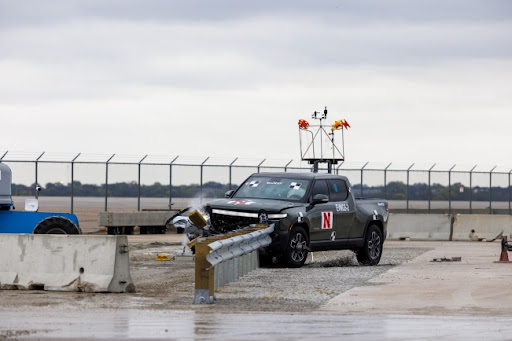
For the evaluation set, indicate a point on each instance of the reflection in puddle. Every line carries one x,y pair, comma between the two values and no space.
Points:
187,325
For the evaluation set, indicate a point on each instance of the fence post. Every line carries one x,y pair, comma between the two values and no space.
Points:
338,168
490,190
201,184
230,167
259,165
362,169
106,181
429,186
138,184
471,190
386,181
170,182
450,190
407,190
509,193
37,193
285,167
73,181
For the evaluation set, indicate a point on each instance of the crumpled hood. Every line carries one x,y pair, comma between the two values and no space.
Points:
251,205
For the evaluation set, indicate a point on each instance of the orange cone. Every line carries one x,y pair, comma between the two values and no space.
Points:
504,251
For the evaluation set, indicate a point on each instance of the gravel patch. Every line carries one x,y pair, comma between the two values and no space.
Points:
325,275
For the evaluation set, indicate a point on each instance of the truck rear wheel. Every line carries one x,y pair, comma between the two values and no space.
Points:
371,251
57,225
296,251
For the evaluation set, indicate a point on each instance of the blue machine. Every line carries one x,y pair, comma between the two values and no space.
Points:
30,221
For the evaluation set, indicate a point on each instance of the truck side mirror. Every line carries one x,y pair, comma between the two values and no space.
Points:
229,193
320,199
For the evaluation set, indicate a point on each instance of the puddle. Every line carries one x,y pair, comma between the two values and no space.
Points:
192,325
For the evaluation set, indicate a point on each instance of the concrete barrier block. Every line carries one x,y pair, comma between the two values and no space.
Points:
65,263
486,226
142,218
419,226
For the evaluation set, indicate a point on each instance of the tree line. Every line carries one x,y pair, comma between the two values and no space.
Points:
396,190
124,189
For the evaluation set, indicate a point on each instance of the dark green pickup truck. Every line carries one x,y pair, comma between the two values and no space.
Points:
311,212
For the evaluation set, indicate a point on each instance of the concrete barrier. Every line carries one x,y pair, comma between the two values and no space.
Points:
419,226
65,263
486,226
142,218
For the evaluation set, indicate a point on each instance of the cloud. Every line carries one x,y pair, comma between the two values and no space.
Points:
231,78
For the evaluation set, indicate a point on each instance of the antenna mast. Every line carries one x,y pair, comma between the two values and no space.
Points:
318,143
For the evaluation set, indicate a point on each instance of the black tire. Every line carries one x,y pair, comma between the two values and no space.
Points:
371,251
57,225
296,251
180,230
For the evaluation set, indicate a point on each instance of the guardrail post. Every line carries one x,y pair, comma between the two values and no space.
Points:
204,277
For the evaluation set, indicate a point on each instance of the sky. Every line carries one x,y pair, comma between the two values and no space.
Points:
426,81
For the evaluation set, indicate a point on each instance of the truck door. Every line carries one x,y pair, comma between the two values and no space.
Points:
322,216
344,207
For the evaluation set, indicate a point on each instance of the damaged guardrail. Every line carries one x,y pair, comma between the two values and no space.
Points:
221,260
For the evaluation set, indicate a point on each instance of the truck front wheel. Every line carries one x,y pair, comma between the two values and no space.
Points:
296,251
57,225
371,251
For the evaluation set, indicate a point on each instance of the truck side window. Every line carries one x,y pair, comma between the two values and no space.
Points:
320,187
338,189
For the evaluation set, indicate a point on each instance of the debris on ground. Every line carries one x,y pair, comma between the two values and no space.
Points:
444,259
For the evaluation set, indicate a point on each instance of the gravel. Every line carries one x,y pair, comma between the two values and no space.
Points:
324,276
293,290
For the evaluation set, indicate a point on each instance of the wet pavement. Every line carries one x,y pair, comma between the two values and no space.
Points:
416,300
191,325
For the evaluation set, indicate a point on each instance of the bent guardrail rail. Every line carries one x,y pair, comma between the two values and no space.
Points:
221,260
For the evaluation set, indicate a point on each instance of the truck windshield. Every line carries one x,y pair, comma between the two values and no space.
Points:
263,187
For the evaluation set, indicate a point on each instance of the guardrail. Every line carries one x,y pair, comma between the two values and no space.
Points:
221,260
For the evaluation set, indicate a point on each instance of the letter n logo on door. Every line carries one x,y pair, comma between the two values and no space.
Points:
326,220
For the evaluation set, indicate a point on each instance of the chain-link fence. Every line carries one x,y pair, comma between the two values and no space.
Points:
140,180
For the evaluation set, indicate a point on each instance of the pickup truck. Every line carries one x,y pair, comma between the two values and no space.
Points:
310,212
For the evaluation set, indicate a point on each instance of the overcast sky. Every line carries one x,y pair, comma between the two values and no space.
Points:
418,81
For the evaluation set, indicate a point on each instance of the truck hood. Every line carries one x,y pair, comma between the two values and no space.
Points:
251,205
